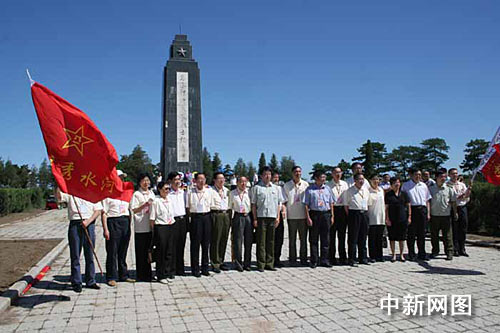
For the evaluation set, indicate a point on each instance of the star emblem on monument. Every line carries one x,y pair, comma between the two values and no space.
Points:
181,52
76,139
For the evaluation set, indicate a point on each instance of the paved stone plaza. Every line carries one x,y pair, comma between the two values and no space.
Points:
291,299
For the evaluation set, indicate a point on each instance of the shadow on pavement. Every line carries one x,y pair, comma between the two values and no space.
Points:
34,300
445,270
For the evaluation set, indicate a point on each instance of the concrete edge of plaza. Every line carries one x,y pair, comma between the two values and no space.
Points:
10,295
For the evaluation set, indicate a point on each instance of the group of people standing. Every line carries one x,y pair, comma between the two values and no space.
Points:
328,215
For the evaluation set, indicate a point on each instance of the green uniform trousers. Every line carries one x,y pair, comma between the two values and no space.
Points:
220,234
442,223
265,242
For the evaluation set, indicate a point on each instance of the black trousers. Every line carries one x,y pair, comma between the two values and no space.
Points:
375,241
357,233
338,229
460,229
181,228
165,247
242,230
279,234
117,247
201,233
320,231
142,246
416,229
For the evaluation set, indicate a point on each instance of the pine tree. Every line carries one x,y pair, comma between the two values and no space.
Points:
273,164
262,161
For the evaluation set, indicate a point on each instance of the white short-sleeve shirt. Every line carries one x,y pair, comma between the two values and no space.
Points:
141,218
85,207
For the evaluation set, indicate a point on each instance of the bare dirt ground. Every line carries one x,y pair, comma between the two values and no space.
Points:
18,256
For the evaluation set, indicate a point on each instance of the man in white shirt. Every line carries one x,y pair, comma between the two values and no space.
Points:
199,200
426,178
419,196
356,168
459,226
339,228
82,215
177,196
355,200
385,184
116,228
293,195
221,223
242,229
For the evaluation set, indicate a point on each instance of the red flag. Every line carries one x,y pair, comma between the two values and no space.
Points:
82,159
128,191
490,168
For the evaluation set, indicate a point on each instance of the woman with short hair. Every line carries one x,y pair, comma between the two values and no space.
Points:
398,217
140,205
376,217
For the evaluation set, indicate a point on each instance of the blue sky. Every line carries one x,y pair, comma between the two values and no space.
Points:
311,79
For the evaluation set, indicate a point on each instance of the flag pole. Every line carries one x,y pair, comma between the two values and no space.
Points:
29,77
88,236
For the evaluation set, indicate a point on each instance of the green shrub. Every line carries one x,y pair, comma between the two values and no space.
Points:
14,200
484,209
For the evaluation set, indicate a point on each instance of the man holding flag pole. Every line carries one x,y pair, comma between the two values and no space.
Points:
83,163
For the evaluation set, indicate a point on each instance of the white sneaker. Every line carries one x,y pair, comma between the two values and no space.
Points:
163,281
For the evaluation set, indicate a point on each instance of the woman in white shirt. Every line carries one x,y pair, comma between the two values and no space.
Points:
376,216
162,223
140,206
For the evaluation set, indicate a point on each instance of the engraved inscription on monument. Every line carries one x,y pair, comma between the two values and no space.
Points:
181,123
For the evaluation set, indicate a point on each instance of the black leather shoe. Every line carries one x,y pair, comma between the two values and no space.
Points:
364,262
455,253
449,256
304,263
260,269
217,270
205,273
271,269
94,286
465,254
353,264
77,288
171,277
371,261
224,267
313,265
197,274
247,268
327,265
433,256
278,264
239,268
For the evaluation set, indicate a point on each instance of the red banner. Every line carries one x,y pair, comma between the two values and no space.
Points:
82,159
491,169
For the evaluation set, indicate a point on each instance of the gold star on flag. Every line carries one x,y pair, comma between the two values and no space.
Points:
76,139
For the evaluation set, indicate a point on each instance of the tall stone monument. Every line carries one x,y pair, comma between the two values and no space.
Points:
181,121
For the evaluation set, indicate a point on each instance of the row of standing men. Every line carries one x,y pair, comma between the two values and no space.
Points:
326,212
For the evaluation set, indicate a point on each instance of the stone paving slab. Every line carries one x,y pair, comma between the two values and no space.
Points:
51,224
291,299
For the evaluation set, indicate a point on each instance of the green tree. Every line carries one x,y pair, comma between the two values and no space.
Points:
273,164
346,168
403,158
287,163
216,163
206,161
433,154
317,167
136,163
46,180
23,174
33,177
240,168
262,161
373,155
251,171
474,151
